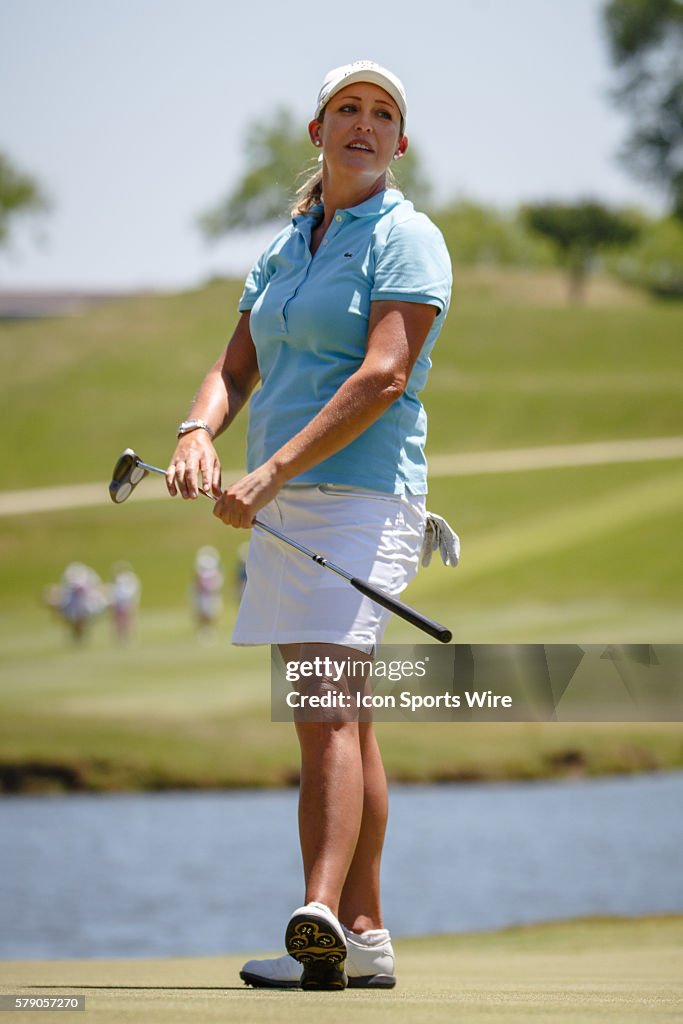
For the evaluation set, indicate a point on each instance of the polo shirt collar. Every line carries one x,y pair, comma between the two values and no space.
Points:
375,206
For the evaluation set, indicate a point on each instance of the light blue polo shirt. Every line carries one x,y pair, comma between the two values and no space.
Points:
309,324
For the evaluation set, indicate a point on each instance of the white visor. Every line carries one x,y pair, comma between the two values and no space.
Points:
362,71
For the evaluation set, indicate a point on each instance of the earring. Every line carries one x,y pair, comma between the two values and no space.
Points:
317,142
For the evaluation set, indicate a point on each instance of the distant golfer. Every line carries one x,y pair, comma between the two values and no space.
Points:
206,592
338,319
78,599
123,595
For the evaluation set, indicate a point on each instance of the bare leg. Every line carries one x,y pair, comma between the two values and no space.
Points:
342,806
360,906
330,806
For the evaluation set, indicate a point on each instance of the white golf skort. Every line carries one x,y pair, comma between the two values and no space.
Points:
289,598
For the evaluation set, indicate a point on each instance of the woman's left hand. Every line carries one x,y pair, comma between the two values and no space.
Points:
239,504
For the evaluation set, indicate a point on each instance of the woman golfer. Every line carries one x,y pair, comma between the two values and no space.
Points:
338,319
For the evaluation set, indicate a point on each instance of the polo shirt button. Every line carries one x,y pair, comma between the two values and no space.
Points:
338,219
324,241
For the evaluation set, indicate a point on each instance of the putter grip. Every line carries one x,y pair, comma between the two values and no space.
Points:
434,629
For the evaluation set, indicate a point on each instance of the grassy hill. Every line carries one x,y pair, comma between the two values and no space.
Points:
513,366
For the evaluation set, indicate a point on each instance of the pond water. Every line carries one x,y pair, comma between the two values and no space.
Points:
146,875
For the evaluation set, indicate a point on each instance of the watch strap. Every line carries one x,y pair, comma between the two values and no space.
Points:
187,425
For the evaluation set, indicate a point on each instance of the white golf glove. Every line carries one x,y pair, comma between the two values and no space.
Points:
438,534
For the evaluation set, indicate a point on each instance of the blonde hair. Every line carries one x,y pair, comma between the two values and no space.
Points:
310,193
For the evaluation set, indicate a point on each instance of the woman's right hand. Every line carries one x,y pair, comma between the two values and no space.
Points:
194,454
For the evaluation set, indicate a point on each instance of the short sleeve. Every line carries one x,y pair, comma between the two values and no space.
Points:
414,265
254,284
262,271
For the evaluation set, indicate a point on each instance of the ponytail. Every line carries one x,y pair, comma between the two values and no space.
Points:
310,194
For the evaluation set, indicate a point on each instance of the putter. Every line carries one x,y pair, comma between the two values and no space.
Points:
130,470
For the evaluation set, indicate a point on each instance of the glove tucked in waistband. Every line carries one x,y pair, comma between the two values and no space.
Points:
438,534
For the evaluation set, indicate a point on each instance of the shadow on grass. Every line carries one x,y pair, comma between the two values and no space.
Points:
148,988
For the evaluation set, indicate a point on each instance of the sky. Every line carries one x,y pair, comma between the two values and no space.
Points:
133,113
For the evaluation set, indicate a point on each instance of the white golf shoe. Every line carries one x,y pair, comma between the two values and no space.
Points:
314,937
370,960
370,963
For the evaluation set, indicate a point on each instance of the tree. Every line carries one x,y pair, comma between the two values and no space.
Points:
646,43
478,235
655,260
279,156
578,233
19,194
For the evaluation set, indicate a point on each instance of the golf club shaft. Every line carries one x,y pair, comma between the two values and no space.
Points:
416,618
392,604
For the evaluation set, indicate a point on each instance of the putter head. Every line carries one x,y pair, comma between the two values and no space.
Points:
126,476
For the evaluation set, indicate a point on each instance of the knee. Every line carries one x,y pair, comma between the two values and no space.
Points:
317,736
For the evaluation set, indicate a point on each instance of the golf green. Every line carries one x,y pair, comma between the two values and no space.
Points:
575,972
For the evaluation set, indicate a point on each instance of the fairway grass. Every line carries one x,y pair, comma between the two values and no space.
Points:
174,711
577,972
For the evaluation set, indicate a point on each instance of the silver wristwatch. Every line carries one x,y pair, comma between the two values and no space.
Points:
187,425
